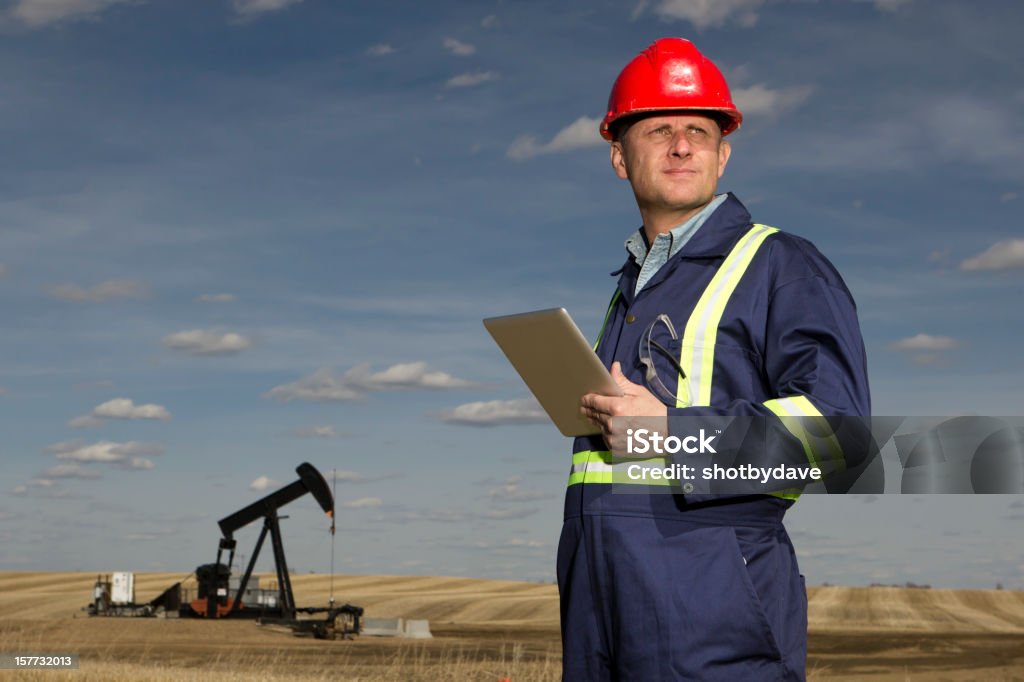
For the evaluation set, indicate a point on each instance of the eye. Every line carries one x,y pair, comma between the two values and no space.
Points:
693,131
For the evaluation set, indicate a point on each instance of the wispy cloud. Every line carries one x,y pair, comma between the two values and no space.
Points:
457,47
103,451
888,5
325,432
39,13
206,342
496,413
580,134
263,483
125,408
217,298
512,491
490,21
363,503
250,8
1004,255
710,13
4,271
926,342
70,470
120,408
100,293
760,100
380,50
85,422
325,385
469,80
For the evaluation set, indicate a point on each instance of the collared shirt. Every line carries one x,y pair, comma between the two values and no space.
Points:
666,244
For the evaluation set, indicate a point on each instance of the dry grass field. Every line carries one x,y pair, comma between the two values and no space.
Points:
485,630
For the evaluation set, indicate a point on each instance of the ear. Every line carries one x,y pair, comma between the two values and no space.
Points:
617,156
724,150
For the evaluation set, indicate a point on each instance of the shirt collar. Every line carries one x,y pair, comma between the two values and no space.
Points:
637,245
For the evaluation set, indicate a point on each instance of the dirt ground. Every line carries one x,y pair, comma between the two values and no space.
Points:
489,630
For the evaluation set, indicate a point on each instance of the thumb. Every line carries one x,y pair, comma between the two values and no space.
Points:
619,377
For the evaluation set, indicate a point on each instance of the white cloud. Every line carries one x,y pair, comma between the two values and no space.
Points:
92,385
70,470
710,13
39,487
124,408
363,503
512,491
926,342
85,422
135,464
407,375
581,133
103,451
761,100
263,483
3,391
320,386
254,7
890,5
1006,197
490,21
496,412
3,271
507,514
206,342
104,291
325,386
379,50
468,80
317,432
1004,255
458,48
37,13
217,298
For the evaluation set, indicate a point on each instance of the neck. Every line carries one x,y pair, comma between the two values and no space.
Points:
660,221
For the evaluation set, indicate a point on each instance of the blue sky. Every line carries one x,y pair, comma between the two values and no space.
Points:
241,234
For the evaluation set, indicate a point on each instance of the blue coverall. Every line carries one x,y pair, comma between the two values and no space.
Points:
701,586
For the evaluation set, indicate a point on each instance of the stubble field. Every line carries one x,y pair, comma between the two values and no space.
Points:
485,630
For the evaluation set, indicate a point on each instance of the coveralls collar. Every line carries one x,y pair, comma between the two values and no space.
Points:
714,239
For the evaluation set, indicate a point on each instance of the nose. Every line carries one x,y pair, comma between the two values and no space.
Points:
680,144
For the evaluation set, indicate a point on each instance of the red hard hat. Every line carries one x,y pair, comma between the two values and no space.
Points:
671,75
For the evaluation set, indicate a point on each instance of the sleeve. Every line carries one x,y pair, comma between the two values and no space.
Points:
815,369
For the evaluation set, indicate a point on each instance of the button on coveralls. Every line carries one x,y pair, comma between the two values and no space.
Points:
702,586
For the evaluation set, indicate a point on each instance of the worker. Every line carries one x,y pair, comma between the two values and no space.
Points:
697,585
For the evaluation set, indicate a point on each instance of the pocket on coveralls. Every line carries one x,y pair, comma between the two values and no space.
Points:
719,621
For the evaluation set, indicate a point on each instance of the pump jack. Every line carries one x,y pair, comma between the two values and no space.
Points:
214,599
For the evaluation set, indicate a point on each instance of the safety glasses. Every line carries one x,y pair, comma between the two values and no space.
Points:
660,332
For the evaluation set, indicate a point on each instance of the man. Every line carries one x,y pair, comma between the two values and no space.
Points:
689,586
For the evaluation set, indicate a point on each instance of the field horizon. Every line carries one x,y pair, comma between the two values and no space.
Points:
486,630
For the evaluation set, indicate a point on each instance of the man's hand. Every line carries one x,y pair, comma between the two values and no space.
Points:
636,402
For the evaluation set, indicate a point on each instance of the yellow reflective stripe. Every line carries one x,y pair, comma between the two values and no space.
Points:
615,297
797,413
697,357
787,494
599,466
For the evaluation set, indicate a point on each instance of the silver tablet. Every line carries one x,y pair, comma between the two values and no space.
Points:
556,362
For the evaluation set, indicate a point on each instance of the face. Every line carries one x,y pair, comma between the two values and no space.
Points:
673,162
